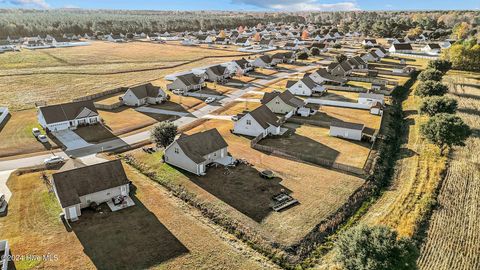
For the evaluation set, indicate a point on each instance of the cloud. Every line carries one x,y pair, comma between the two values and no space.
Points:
300,5
27,3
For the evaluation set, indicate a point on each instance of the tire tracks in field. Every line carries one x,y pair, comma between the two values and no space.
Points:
123,71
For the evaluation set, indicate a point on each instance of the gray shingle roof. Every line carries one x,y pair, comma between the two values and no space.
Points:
265,117
200,144
285,96
67,111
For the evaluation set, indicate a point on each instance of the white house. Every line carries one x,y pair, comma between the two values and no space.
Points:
304,87
346,130
143,94
341,69
370,57
282,102
401,48
68,115
380,51
259,121
432,48
194,152
187,82
376,109
115,38
6,46
239,67
263,61
79,187
205,39
217,73
189,42
370,99
369,42
321,76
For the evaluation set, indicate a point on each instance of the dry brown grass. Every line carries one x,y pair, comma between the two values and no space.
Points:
454,231
319,190
349,115
33,227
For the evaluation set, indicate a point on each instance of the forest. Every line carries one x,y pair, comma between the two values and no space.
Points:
26,22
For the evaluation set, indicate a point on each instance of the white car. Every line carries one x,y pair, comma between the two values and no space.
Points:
42,138
234,118
177,92
54,160
210,100
36,132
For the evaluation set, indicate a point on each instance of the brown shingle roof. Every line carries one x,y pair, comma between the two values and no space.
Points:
197,145
68,111
285,96
145,90
72,184
265,117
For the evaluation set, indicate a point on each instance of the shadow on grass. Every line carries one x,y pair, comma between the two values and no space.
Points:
132,238
242,188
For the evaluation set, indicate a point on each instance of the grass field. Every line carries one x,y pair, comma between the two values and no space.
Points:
454,231
318,196
16,135
159,232
330,113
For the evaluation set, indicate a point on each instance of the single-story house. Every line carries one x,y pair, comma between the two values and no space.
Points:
304,87
401,48
370,98
194,152
68,115
369,42
79,187
282,102
341,69
187,82
259,121
263,61
143,94
370,57
217,73
346,130
321,76
432,48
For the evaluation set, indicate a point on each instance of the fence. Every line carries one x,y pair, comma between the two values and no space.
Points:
338,103
346,88
201,95
3,114
298,120
107,106
416,56
101,94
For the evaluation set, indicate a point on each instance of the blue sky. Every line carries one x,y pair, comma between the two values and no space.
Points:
253,5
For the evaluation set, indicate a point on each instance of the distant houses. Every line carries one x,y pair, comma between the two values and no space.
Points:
68,115
195,152
143,94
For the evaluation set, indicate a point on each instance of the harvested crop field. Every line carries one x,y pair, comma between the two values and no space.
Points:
453,235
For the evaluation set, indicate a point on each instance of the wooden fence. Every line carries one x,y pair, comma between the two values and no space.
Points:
101,94
298,120
346,88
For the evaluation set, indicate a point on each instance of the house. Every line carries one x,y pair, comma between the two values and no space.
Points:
370,42
380,51
283,57
222,40
68,115
370,99
265,43
432,48
264,61
187,82
346,130
154,37
376,109
79,187
189,42
341,69
6,46
143,94
115,38
205,39
261,121
401,48
242,41
194,152
304,87
446,44
291,46
370,57
282,102
217,73
321,46
321,76
239,67
377,86
357,62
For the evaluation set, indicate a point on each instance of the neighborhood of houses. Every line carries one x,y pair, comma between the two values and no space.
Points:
321,93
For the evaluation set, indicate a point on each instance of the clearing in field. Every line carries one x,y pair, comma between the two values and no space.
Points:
158,231
241,194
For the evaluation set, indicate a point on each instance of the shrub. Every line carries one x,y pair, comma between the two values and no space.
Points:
315,51
436,104
375,248
445,130
302,55
430,88
430,75
337,46
442,65
163,133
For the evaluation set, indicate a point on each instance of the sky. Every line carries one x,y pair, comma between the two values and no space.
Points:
248,5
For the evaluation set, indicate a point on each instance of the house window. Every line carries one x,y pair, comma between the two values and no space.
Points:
277,102
249,122
176,151
299,86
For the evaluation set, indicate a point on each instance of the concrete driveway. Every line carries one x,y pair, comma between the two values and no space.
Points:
160,111
70,139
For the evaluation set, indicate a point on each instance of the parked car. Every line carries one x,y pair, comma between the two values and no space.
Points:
36,132
234,117
177,92
54,160
3,203
210,100
42,138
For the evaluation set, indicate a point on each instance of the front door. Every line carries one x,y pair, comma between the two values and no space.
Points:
72,211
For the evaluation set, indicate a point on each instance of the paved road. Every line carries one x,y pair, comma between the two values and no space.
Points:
143,136
147,109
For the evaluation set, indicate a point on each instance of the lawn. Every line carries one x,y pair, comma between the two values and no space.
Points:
16,135
329,113
159,231
235,108
318,196
340,96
